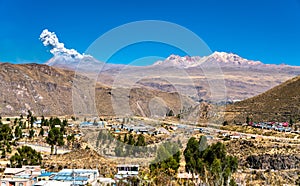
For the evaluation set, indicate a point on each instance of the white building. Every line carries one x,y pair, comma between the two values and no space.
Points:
127,171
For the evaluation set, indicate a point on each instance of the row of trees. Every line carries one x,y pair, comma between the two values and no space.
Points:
5,139
26,156
55,138
124,144
129,146
210,162
166,163
56,132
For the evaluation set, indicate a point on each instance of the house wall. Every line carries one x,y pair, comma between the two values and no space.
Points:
16,183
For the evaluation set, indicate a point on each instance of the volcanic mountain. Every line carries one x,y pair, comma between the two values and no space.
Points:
238,78
87,86
218,77
216,58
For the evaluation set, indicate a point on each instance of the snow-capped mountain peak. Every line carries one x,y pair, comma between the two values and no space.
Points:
222,58
232,58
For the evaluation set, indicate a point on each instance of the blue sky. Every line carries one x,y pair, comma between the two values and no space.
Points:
263,30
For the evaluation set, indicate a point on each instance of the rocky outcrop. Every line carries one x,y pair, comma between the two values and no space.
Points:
275,162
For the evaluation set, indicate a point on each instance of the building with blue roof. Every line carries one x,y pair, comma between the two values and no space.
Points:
77,176
45,176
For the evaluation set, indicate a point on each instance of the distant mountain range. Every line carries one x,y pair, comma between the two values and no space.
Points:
242,78
220,58
177,83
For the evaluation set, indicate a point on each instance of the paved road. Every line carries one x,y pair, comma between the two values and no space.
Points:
45,149
214,128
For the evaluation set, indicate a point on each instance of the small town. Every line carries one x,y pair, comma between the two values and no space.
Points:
149,93
34,141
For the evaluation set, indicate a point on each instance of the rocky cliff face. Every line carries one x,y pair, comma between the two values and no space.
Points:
39,88
274,161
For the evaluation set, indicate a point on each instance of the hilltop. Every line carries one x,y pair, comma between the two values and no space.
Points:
280,103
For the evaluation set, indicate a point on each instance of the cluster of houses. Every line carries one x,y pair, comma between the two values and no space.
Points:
35,176
278,126
139,128
37,124
100,124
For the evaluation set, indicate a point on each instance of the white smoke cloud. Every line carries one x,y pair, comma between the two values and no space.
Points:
58,49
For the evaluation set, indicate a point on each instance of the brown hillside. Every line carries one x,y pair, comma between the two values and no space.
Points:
48,91
279,104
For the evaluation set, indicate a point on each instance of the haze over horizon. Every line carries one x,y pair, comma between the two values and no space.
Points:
258,30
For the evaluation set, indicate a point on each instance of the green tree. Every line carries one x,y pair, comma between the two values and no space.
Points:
70,139
232,183
22,125
18,132
291,122
130,146
141,140
167,160
131,140
26,156
5,134
216,171
3,154
63,126
210,162
191,154
32,120
8,148
46,122
125,138
119,149
54,139
5,138
31,133
65,123
42,132
247,120
170,113
54,122
29,114
15,121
